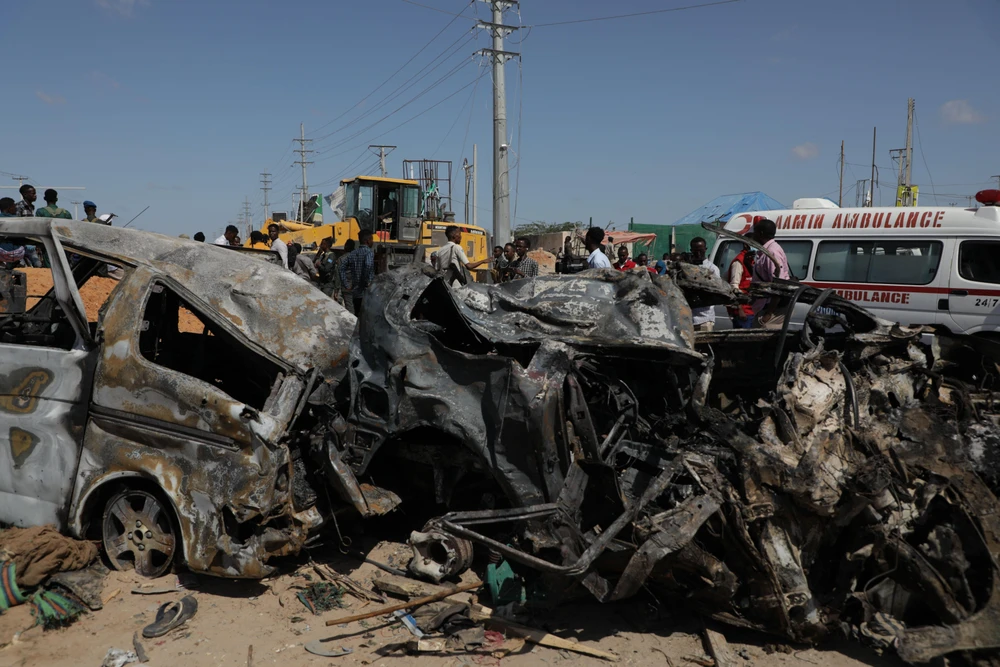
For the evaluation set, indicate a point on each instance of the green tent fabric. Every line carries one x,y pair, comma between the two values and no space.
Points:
682,235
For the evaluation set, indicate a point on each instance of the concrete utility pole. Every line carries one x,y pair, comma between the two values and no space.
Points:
501,176
904,196
382,152
840,199
998,180
266,187
303,151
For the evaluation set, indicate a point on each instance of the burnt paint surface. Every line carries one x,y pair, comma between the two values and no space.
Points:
43,398
426,356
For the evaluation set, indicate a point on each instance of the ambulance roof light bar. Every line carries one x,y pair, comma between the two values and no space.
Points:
988,197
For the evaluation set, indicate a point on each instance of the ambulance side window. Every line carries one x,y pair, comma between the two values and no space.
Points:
797,253
879,262
979,261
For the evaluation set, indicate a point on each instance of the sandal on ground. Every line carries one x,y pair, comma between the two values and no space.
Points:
171,615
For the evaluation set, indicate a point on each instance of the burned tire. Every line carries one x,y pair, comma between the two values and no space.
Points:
139,533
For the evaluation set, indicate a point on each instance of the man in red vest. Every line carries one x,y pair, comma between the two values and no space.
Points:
740,275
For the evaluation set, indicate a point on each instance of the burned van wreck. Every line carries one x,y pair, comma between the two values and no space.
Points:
159,423
830,481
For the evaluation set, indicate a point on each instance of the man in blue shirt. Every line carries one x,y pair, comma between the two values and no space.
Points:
357,270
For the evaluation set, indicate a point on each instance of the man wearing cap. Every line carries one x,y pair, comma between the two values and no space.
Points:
50,210
90,208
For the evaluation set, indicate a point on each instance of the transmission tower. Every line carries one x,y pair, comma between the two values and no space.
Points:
303,151
266,187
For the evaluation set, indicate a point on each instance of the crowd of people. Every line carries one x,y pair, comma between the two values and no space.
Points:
345,275
13,255
747,268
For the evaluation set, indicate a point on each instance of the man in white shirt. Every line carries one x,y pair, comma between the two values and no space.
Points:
703,318
452,259
592,241
277,245
228,237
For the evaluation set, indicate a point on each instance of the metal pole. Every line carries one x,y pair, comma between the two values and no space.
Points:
382,153
840,199
871,202
501,181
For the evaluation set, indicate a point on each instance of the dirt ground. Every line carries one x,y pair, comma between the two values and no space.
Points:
235,615
93,294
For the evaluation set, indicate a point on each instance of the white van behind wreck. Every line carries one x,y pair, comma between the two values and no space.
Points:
159,422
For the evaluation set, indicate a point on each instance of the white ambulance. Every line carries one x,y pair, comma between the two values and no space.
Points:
916,265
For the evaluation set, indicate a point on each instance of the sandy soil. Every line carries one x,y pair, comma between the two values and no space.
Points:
93,293
234,615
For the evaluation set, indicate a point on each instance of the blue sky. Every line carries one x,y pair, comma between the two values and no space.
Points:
180,104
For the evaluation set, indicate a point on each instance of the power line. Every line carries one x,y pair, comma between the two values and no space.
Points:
472,96
453,48
625,16
920,143
472,110
443,11
590,20
397,110
402,67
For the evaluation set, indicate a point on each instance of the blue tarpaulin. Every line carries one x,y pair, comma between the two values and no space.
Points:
720,208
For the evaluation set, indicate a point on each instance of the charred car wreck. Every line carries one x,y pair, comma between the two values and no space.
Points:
159,423
835,480
216,410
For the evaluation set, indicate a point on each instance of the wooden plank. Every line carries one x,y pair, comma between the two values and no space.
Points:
539,637
404,587
406,605
718,648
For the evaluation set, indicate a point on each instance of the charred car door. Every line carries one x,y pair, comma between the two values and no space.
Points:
46,365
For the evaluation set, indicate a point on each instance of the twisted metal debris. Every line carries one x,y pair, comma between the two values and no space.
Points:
814,483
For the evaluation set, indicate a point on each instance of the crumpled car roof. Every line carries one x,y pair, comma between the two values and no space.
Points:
594,309
268,304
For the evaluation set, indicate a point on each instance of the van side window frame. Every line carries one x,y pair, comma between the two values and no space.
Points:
871,248
967,272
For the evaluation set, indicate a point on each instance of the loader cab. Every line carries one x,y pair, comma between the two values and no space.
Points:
389,207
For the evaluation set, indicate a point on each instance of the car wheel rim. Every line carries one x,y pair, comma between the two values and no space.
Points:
138,533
